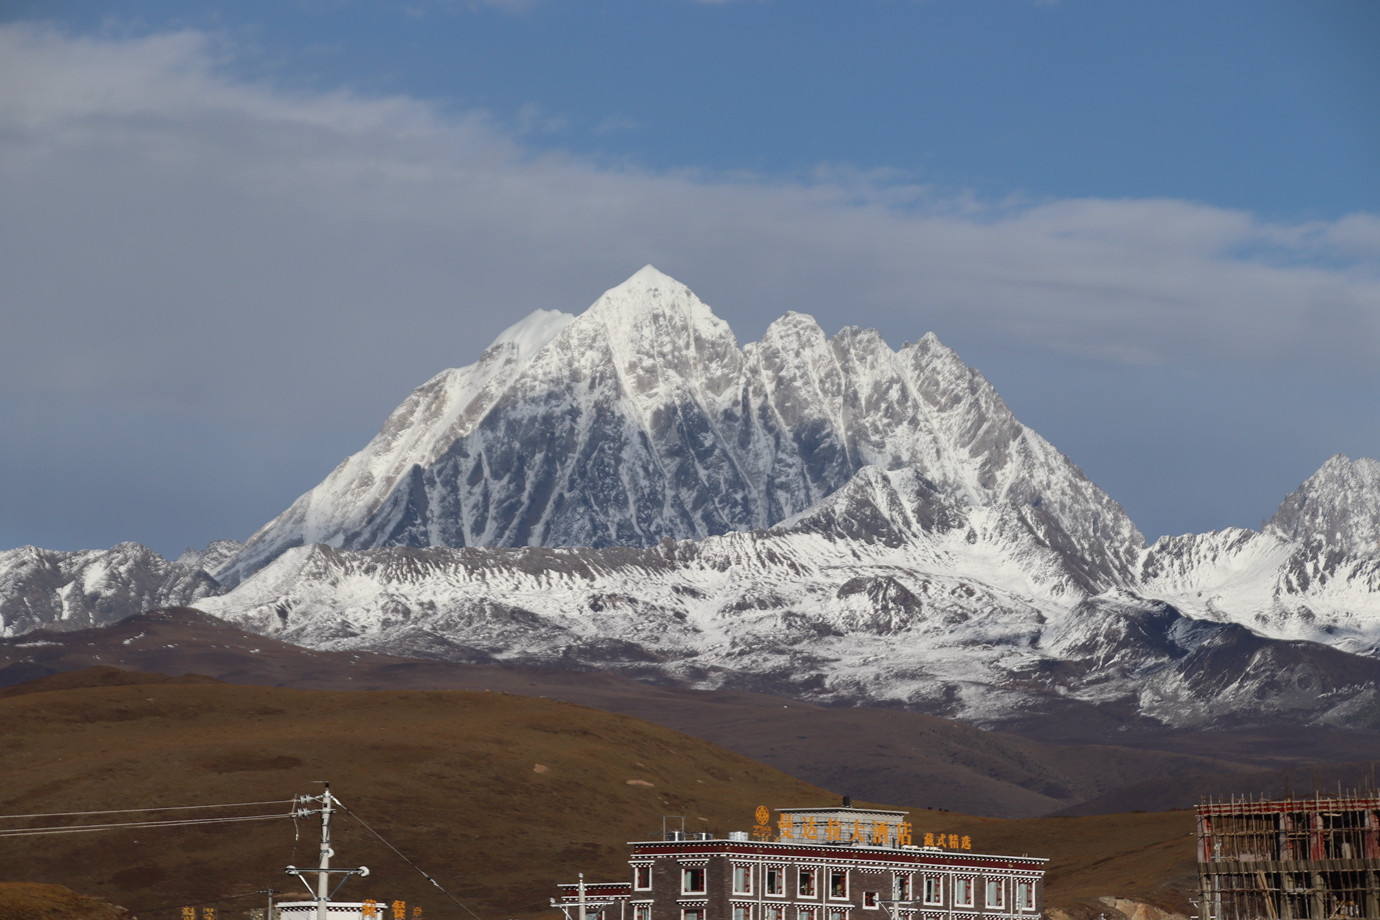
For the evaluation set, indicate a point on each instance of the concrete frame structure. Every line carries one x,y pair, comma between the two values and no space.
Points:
1291,859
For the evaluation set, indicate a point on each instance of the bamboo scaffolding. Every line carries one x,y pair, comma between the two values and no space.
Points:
1290,859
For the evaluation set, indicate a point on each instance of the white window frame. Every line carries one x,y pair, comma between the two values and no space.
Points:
642,911
997,886
932,891
746,873
806,913
964,883
803,872
745,908
685,877
874,897
902,886
637,877
780,891
831,872
1027,903
698,913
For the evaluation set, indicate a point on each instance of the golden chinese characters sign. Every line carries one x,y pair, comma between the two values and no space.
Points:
835,830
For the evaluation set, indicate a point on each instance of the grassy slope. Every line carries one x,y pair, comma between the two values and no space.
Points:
500,797
28,901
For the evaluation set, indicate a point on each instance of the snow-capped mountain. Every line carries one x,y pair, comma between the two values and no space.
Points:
1313,573
642,419
823,517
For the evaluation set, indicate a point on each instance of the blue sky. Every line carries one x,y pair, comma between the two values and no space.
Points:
236,235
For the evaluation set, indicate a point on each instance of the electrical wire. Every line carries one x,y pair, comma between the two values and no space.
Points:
86,828
122,811
406,860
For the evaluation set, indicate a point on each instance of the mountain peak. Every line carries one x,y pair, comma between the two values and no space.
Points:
647,291
1340,504
648,283
649,274
652,316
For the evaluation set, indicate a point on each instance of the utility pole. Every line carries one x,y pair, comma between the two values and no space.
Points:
323,894
323,876
270,892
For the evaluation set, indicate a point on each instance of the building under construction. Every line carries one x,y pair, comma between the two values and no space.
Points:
1289,860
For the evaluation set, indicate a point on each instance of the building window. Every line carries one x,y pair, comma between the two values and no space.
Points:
775,882
838,883
742,880
870,900
963,892
838,913
1025,895
773,912
900,888
642,878
742,912
994,892
692,913
692,880
934,891
806,887
805,913
642,912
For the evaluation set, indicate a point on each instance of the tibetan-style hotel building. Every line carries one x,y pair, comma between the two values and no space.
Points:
840,863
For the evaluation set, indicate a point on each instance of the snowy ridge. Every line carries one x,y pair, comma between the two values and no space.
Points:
1313,574
763,608
76,590
890,591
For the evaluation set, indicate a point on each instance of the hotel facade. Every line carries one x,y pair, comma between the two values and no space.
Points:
814,864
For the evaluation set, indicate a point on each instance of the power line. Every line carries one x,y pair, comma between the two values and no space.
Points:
390,846
87,828
122,811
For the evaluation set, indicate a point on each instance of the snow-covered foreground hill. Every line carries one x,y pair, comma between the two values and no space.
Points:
891,591
827,518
